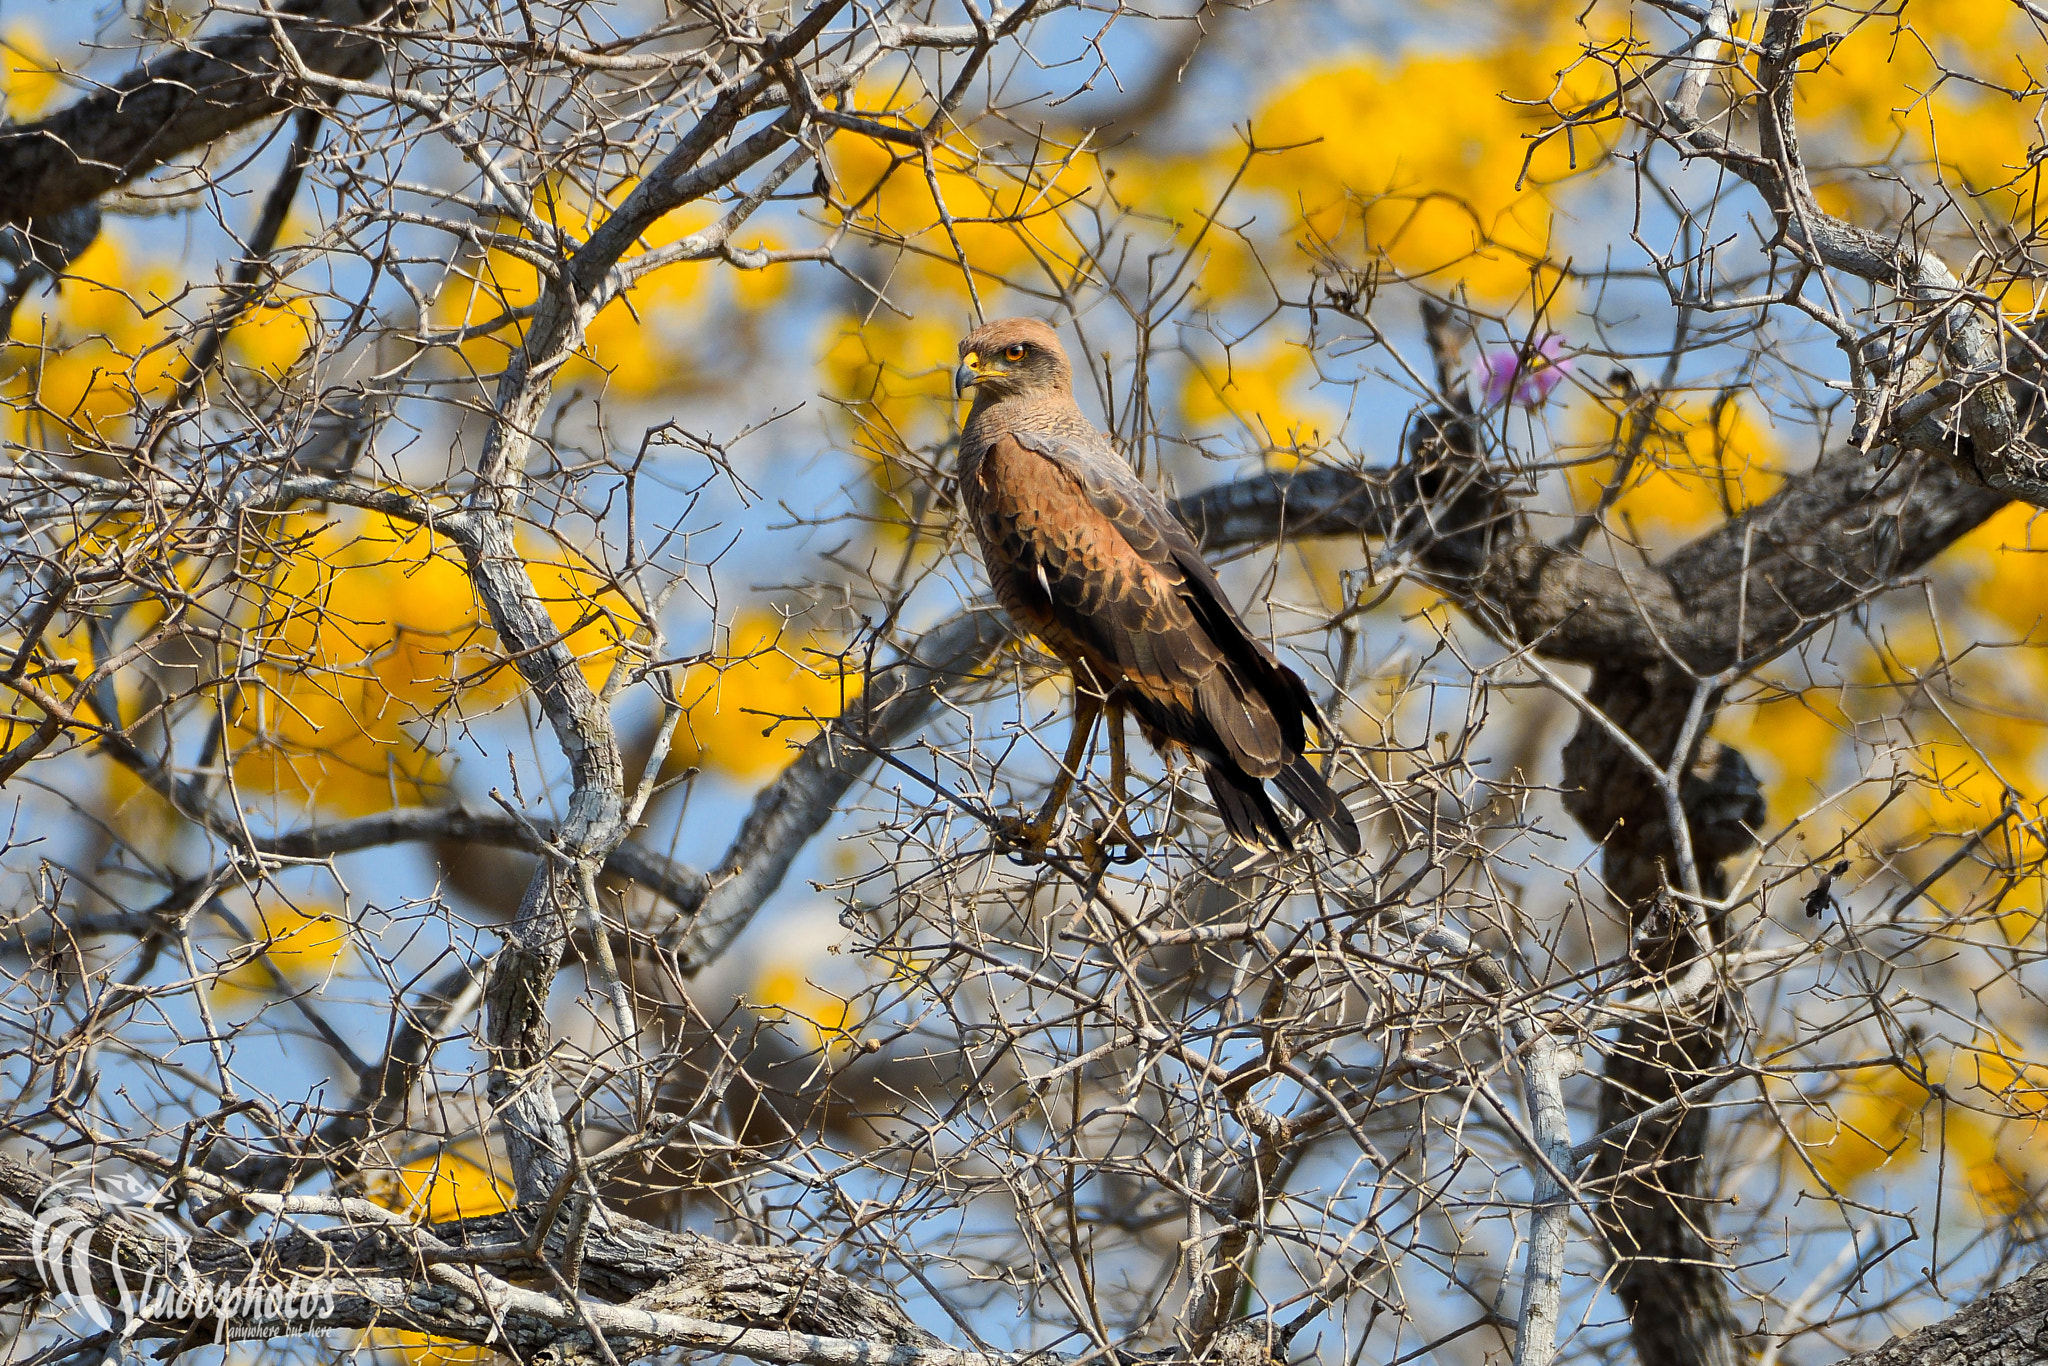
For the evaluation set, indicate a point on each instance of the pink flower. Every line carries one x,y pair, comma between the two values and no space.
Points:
1526,374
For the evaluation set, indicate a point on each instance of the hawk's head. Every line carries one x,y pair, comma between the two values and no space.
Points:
1013,358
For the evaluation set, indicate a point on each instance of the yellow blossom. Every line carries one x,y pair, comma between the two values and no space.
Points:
28,76
1705,460
763,696
1261,389
302,943
272,336
1426,159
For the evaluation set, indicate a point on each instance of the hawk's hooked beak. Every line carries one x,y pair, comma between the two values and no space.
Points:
968,374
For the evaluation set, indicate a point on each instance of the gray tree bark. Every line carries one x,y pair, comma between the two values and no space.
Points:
2008,1327
187,99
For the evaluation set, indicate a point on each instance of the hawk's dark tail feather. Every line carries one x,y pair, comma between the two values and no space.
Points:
1247,811
1307,789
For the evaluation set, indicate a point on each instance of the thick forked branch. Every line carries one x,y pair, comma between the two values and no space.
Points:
1746,590
521,1082
183,101
1657,639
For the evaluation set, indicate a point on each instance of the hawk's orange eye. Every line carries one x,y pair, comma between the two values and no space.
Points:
1014,351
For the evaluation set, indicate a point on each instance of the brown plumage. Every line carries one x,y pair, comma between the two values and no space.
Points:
1091,561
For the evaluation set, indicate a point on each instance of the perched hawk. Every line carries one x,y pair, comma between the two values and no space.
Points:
1092,562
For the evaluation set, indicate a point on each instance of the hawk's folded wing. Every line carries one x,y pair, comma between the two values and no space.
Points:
1156,536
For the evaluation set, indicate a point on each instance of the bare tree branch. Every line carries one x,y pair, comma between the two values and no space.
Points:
185,100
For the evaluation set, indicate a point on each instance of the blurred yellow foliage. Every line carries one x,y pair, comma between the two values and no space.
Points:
1975,1149
1792,741
1704,461
1999,1068
636,345
367,625
303,943
458,1183
1946,86
272,336
355,631
88,351
1259,389
2018,1161
28,76
477,293
1958,793
1883,81
896,374
1955,791
1424,158
596,618
453,1184
418,1349
1968,774
1876,1117
1183,192
822,1020
763,696
135,810
1882,1117
19,717
2006,583
757,289
1007,218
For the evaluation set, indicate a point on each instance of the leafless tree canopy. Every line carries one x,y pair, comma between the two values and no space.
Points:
512,768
